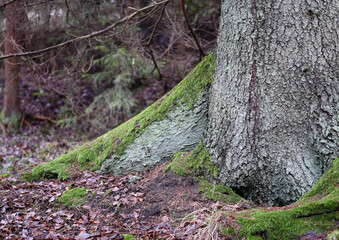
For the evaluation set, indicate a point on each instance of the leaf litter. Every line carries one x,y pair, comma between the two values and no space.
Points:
148,206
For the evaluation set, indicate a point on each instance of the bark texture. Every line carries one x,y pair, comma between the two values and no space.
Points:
15,18
180,131
273,118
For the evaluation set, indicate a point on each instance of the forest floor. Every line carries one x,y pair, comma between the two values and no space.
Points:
148,206
154,205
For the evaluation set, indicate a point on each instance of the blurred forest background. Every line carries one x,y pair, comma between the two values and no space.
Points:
77,92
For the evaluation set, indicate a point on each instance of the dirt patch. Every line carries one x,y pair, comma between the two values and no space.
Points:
167,194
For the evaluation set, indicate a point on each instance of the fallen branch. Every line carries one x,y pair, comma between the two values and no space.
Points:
43,118
94,34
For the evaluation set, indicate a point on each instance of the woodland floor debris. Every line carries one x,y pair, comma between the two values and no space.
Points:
153,205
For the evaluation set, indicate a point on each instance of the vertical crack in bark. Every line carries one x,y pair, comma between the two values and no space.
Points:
253,99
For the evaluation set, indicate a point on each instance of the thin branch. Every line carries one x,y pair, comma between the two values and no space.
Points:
155,63
3,128
67,14
4,3
202,54
151,39
157,24
94,34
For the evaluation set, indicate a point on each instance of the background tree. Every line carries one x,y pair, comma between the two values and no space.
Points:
16,18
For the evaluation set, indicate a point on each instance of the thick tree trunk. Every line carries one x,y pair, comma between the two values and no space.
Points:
15,19
273,118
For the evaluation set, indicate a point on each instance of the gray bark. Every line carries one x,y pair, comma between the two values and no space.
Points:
273,118
180,131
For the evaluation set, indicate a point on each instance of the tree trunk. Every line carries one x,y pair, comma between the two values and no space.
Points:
273,118
15,19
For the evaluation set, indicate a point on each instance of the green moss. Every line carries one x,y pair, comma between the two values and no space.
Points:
72,198
316,211
58,168
197,163
7,175
326,186
91,155
284,224
218,192
128,237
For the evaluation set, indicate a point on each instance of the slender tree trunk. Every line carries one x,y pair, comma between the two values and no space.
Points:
274,122
15,18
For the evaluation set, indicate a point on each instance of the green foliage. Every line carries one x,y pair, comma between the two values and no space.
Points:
27,177
92,154
72,198
284,224
198,164
119,69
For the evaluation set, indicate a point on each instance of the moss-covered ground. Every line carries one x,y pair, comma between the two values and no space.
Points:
91,155
316,212
198,164
73,197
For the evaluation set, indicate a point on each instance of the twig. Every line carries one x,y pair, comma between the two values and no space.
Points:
22,120
157,24
3,128
67,14
202,54
151,39
155,62
43,118
27,123
94,34
6,2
